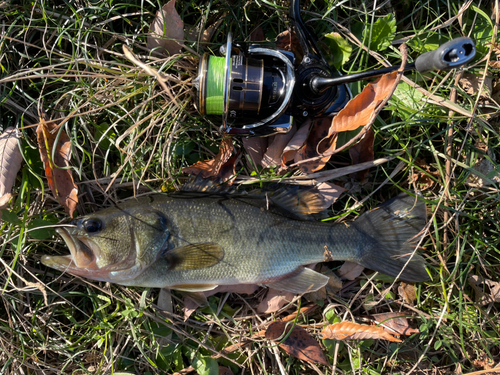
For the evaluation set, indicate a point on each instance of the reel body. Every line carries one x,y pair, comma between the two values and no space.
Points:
258,91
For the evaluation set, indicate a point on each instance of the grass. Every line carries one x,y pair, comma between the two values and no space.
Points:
129,138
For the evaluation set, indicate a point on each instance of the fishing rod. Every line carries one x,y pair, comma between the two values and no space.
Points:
258,91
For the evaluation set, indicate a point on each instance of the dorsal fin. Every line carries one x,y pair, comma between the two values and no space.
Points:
298,202
206,185
292,201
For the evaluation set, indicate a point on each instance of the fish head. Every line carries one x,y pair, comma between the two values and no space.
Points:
114,245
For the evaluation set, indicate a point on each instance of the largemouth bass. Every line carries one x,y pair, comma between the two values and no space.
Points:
195,241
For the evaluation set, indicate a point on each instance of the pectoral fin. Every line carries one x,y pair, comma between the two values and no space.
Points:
195,256
304,281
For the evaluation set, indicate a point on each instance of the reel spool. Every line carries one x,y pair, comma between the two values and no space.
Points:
248,91
259,91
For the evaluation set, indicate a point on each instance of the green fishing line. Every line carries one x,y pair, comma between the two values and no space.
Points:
215,85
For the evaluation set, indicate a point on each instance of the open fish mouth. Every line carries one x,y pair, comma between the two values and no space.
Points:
82,259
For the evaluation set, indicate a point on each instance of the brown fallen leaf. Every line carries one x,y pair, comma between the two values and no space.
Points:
288,41
350,270
228,170
355,331
472,83
211,168
407,292
486,291
274,153
299,343
484,362
296,142
55,157
257,35
362,152
424,179
255,148
394,322
274,300
319,131
359,110
10,163
329,193
166,32
193,34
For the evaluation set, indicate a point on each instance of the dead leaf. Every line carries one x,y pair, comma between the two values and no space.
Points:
10,163
257,35
60,180
228,170
255,148
296,142
359,110
484,362
407,292
394,322
424,179
350,270
166,32
299,342
319,131
486,291
329,193
189,308
274,153
288,41
355,331
472,83
275,300
362,152
211,168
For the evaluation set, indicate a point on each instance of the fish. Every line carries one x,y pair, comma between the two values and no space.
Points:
197,240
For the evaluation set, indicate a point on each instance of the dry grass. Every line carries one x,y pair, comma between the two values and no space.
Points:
131,136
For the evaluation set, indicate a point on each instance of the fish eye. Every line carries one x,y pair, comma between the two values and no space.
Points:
92,225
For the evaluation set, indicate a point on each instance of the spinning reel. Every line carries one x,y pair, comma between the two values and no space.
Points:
258,91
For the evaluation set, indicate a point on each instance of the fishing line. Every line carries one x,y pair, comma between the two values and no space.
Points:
214,96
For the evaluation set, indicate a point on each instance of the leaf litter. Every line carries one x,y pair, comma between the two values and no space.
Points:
354,331
55,151
394,322
212,167
10,163
296,341
166,32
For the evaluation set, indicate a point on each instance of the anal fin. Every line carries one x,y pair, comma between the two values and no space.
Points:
194,288
304,281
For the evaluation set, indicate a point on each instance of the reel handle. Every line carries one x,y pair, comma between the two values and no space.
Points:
452,54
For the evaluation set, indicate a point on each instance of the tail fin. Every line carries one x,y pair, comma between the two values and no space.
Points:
391,231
